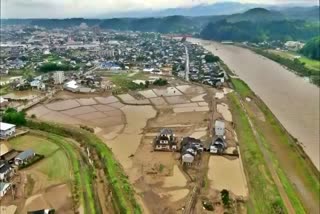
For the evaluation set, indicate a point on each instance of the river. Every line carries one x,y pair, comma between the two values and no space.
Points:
293,100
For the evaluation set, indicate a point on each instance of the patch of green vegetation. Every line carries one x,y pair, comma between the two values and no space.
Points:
290,191
50,66
56,167
160,82
38,144
123,193
5,90
82,181
124,83
263,191
310,63
12,116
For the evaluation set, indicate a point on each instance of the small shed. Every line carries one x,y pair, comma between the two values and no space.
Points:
24,157
219,128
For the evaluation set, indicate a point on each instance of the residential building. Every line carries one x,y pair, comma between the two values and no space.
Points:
7,130
58,77
166,141
4,188
218,145
5,171
190,148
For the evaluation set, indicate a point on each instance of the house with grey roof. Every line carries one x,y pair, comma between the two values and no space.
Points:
4,188
23,157
5,170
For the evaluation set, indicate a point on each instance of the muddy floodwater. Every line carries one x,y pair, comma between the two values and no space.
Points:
293,100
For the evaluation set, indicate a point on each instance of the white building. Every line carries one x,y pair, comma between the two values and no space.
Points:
7,129
58,77
71,86
294,45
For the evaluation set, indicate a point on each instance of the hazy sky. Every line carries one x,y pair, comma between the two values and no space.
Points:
84,8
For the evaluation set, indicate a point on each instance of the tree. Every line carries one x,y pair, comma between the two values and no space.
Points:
11,115
225,197
147,84
312,49
160,82
211,58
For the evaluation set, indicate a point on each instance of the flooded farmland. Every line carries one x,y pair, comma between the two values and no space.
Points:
293,100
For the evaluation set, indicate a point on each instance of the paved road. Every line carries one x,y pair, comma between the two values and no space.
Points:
187,70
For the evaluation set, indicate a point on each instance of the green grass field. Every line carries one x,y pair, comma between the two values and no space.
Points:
124,82
38,144
309,63
56,167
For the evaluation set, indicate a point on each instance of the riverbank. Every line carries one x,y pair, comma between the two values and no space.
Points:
294,171
293,65
293,101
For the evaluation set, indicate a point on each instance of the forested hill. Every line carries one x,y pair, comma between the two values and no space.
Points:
256,15
256,24
312,49
263,31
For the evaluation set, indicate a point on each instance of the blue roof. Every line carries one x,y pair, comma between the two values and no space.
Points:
26,154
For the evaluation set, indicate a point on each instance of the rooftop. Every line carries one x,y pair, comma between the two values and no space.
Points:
6,126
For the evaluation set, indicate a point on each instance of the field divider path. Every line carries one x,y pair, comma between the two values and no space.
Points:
268,160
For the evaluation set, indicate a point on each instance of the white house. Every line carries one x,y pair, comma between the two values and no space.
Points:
7,130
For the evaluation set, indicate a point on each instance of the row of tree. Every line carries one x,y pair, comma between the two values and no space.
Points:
48,67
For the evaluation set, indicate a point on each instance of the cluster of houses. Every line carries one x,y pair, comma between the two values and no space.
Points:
191,148
10,159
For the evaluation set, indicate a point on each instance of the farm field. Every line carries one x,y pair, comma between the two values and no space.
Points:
44,178
127,123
